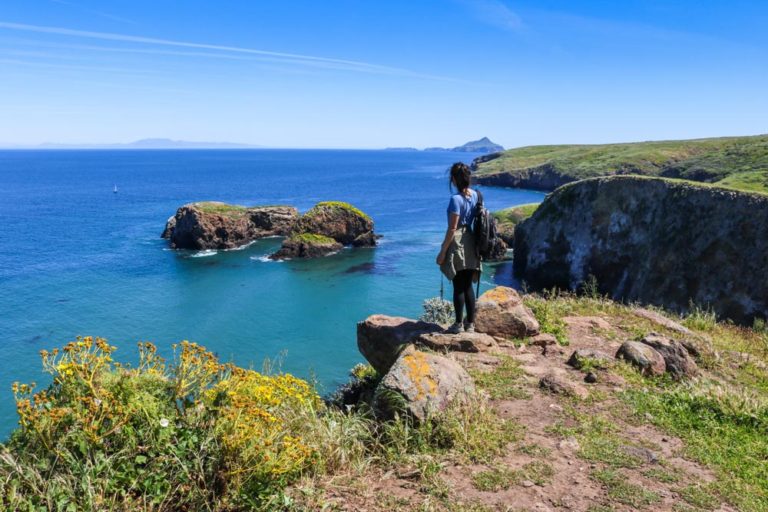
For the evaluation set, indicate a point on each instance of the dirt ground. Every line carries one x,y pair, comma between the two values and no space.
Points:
550,467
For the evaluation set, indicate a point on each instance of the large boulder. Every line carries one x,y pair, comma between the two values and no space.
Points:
306,245
420,385
501,312
461,342
340,221
381,338
651,240
676,357
215,225
643,357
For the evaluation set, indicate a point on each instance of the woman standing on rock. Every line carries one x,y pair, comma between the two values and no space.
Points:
458,259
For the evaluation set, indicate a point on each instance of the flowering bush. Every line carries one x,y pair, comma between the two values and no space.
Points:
186,435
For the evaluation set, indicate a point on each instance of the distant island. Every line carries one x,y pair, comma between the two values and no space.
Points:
156,143
484,145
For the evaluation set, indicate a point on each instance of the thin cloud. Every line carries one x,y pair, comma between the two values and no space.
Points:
96,13
494,12
295,58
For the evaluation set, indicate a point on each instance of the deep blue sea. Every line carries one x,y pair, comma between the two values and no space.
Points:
78,259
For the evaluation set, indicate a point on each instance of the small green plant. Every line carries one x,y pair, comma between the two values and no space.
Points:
550,319
620,490
505,381
494,480
437,311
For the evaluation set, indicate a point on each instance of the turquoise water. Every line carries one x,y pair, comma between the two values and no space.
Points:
77,259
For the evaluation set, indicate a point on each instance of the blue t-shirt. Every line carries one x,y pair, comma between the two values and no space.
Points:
464,207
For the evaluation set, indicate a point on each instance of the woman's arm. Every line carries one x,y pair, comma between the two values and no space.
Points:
453,223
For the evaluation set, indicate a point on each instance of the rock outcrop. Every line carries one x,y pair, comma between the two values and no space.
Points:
501,312
214,225
651,240
643,357
306,245
420,385
381,338
326,228
678,361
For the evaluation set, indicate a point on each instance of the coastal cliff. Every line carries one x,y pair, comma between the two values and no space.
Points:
735,162
658,241
215,225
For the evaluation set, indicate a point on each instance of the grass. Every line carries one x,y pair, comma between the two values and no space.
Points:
501,478
515,214
738,162
621,490
337,205
504,382
312,239
215,207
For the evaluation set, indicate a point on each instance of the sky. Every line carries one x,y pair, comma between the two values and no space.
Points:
365,74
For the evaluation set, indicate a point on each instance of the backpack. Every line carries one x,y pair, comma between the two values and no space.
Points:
484,228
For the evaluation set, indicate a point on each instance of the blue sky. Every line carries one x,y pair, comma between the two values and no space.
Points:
360,74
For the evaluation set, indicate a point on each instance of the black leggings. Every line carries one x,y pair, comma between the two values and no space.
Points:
463,293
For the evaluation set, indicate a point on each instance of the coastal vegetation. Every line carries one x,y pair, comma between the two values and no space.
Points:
193,433
736,162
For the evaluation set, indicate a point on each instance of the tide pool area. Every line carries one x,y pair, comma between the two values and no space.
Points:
76,258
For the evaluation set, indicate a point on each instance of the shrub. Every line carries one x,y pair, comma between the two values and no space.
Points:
438,311
191,434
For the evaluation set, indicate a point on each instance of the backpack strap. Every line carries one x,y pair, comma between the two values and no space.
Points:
479,198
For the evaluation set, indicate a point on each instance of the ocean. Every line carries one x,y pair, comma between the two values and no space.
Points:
78,259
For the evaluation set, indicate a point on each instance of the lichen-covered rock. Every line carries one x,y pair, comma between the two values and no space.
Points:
584,357
676,358
306,245
501,312
381,338
461,342
651,240
340,221
643,357
420,385
214,225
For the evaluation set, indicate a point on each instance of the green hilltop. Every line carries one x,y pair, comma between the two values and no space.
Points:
735,162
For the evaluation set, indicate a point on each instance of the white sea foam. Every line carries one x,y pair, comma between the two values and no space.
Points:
265,259
204,254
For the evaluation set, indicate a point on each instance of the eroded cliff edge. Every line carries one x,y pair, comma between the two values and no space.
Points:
665,242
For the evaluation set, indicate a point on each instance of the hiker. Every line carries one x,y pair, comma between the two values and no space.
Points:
458,258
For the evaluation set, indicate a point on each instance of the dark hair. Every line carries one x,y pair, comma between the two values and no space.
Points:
461,176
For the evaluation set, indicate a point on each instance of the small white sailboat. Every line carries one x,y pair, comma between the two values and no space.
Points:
115,190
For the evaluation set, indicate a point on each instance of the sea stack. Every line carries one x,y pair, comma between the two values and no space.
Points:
325,229
215,225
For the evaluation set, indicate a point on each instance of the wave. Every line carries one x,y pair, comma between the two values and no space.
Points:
204,254
264,258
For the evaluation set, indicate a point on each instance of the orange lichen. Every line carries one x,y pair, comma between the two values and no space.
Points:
419,373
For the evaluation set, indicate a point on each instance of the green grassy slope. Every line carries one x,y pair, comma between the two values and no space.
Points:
737,162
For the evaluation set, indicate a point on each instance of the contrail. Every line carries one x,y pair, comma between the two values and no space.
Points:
106,36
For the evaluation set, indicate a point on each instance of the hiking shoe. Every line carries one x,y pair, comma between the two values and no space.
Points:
455,328
469,327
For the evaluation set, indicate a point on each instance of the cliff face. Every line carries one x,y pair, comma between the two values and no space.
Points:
545,177
651,240
214,225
